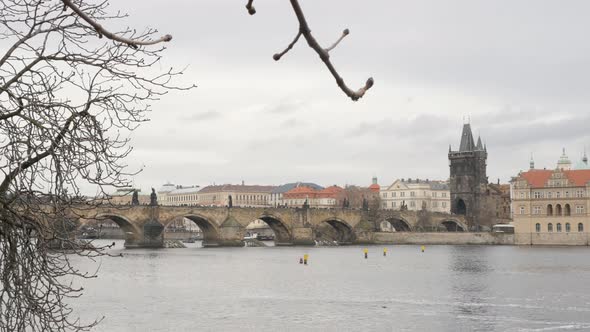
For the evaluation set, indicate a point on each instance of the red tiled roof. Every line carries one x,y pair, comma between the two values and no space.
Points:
374,188
537,178
579,177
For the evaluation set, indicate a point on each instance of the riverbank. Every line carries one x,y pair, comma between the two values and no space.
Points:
450,238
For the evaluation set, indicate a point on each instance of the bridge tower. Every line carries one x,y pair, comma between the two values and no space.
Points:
468,179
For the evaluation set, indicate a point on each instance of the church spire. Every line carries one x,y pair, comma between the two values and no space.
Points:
479,146
532,162
585,157
467,143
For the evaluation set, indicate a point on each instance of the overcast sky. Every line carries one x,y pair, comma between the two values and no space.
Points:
519,69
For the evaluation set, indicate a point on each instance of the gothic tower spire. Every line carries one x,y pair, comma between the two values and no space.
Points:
467,143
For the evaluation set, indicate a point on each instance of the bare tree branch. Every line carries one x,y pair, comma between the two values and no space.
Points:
250,7
278,56
103,32
322,52
344,34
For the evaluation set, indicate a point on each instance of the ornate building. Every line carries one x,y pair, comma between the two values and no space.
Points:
416,194
471,195
318,198
551,206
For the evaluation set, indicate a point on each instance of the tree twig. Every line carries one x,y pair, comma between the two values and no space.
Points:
103,32
322,52
312,42
250,7
278,56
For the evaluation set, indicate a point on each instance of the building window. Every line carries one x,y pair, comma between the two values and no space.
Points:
580,227
579,209
537,194
558,210
522,210
521,195
384,205
393,204
538,227
579,193
559,227
384,195
558,194
567,194
549,194
412,194
412,203
567,227
393,194
444,194
549,210
550,227
434,194
444,204
434,204
536,210
567,211
402,194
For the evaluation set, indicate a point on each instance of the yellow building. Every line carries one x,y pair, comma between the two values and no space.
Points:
551,206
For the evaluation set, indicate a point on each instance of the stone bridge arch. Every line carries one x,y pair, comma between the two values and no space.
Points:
452,225
211,234
133,235
283,235
399,223
344,231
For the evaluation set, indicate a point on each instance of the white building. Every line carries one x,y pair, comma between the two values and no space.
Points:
417,194
177,195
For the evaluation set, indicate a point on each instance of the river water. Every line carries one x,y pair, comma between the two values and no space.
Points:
446,288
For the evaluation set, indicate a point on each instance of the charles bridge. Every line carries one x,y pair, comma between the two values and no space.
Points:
223,226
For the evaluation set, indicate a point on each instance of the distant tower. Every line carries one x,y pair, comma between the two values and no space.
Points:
585,157
532,163
468,179
564,163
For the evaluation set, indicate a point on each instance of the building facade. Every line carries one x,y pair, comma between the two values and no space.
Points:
551,206
416,194
276,196
316,198
242,195
123,196
178,195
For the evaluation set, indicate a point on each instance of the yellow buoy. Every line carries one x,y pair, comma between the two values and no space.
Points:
384,251
305,257
423,248
366,251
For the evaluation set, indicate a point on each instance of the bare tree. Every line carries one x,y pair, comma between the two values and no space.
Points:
68,99
67,102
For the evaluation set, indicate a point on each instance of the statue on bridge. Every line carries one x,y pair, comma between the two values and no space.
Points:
306,204
229,201
365,205
135,198
153,198
403,207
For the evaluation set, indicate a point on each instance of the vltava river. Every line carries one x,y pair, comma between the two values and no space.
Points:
447,288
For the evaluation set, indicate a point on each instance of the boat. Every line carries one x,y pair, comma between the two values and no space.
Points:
251,236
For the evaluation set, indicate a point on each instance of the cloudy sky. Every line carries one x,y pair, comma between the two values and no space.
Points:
519,69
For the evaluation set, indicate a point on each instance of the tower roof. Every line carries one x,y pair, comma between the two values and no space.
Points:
467,143
479,146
